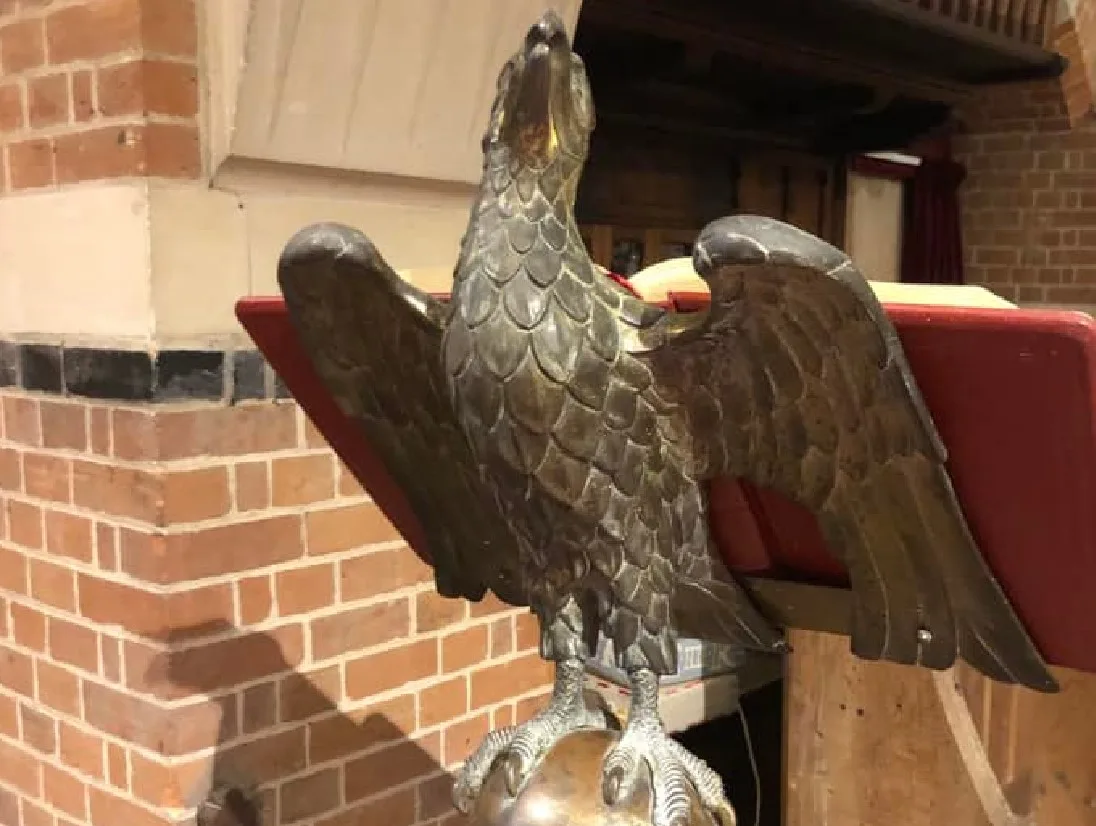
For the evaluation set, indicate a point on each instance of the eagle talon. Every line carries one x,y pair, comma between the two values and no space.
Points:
514,751
673,771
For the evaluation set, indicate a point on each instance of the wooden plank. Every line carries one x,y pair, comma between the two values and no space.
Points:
879,744
868,744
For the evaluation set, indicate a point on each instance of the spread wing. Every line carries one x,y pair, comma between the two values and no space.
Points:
795,380
375,342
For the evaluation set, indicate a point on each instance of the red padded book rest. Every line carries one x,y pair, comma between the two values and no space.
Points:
1012,394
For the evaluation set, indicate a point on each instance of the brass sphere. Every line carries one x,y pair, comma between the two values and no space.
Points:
565,790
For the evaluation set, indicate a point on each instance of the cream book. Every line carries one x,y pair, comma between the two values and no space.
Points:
678,275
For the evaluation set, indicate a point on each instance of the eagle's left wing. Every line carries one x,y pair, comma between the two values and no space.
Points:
375,342
795,380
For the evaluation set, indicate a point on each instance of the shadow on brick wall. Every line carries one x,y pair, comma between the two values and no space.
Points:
286,754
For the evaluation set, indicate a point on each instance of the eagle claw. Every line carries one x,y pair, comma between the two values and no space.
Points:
515,750
673,770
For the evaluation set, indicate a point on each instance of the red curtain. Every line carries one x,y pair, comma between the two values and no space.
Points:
932,244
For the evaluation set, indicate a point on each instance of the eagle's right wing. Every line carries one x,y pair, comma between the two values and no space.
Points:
375,342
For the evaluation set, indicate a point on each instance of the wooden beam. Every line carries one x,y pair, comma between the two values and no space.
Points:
764,46
1044,63
679,126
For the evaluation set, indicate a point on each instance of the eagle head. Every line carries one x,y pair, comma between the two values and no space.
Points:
543,112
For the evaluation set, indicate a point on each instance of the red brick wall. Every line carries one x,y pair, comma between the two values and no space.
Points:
185,589
97,89
1029,200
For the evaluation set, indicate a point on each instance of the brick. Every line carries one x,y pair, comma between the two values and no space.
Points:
25,524
139,721
396,809
495,683
464,648
118,491
215,551
385,769
256,599
170,786
74,644
358,628
434,612
16,671
309,796
333,530
312,436
305,695
19,769
226,431
11,470
35,815
64,792
526,709
134,434
39,730
47,477
93,29
502,716
269,758
117,767
170,27
502,637
101,154
81,751
9,808
107,809
374,673
443,702
99,430
222,664
106,547
69,536
28,627
21,422
435,797
380,572
176,616
348,483
31,164
48,100
194,495
526,632
260,707
22,45
9,717
112,658
11,107
13,571
302,480
83,110
58,689
252,486
488,606
302,590
53,584
461,738
338,735
149,87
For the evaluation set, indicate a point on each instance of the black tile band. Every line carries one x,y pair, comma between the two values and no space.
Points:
139,376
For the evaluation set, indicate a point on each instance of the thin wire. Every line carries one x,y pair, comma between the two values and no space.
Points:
753,763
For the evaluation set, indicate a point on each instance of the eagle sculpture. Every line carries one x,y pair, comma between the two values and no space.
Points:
553,435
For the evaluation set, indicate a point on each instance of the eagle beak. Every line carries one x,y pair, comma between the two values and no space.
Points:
529,126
